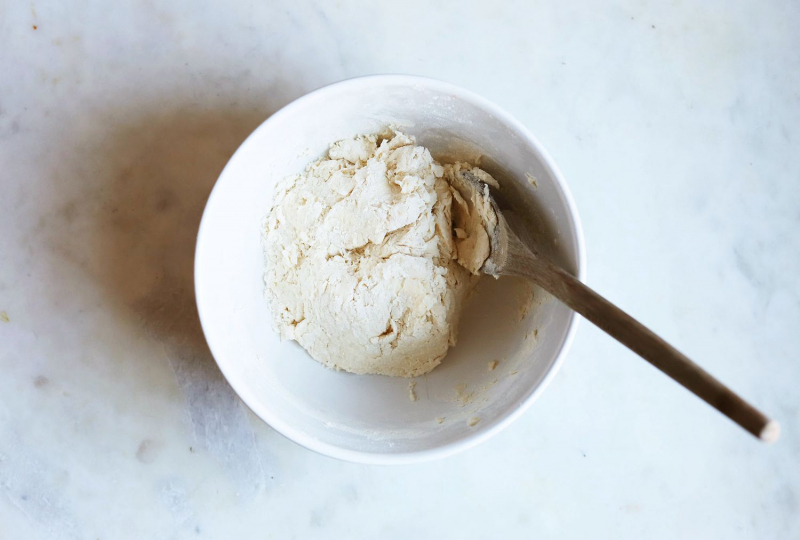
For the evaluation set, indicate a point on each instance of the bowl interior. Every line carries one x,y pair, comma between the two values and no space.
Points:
357,416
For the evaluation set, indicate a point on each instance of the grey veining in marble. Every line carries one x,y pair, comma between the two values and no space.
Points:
677,126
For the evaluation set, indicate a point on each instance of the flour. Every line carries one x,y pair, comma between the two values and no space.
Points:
362,262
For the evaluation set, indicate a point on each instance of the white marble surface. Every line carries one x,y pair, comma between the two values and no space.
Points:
677,126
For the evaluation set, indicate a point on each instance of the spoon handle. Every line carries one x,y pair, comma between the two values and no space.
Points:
639,339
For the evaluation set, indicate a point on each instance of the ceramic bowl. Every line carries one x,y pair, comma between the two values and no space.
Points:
369,418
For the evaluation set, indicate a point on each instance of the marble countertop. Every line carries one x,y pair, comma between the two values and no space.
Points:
677,127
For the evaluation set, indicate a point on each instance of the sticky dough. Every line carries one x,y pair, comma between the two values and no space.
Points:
364,268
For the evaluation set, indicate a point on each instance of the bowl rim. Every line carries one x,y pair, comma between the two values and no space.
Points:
471,439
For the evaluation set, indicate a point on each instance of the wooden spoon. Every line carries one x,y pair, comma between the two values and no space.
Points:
510,257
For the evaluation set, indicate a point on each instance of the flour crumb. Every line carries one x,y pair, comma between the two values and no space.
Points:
532,180
526,301
4,316
462,395
440,419
492,365
412,395
472,422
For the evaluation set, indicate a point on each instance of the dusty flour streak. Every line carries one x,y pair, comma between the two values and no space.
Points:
219,420
26,482
175,497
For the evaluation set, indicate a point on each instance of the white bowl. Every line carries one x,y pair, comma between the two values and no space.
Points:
366,418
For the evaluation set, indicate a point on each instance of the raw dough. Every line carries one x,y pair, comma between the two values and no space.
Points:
474,219
362,260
